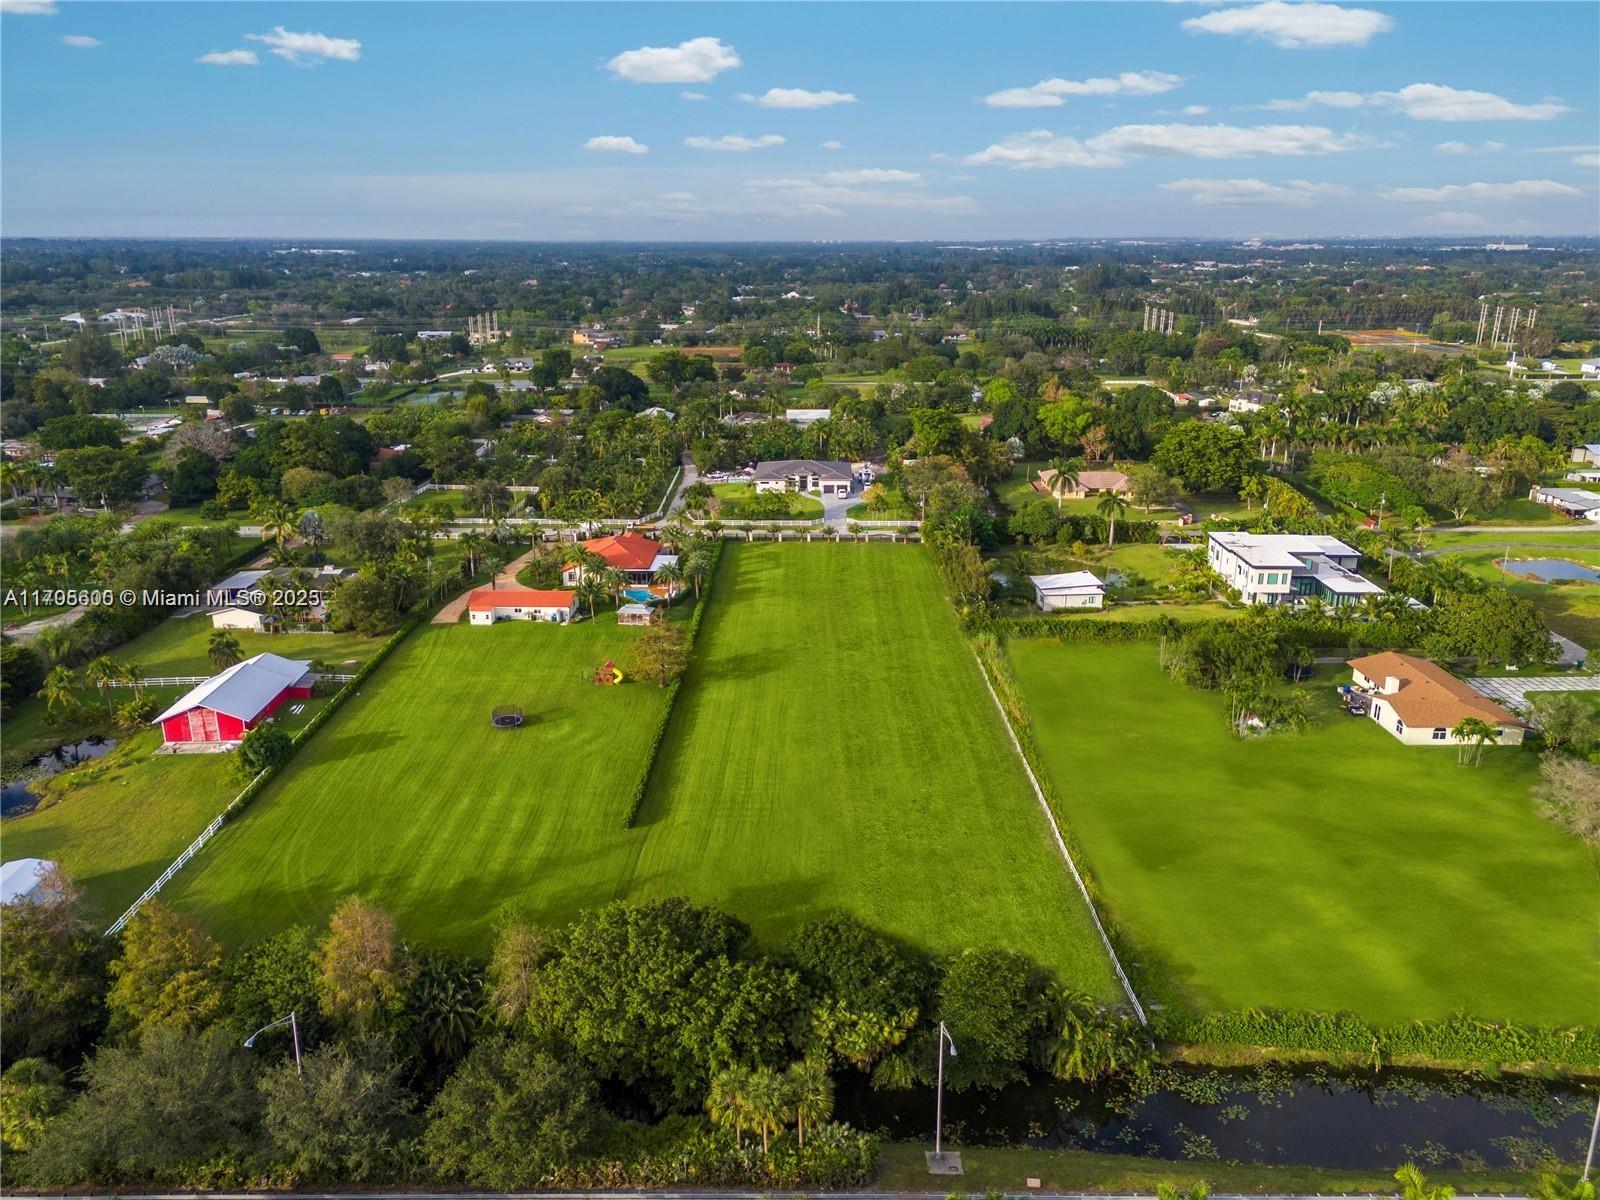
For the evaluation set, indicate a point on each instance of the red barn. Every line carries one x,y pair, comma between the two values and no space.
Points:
227,706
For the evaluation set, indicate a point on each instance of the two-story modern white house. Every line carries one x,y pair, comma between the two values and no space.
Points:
1286,568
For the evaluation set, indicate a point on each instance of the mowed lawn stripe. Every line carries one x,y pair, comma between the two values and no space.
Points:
1335,869
834,748
411,798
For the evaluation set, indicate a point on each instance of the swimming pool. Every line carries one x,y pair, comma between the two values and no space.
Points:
640,595
1549,569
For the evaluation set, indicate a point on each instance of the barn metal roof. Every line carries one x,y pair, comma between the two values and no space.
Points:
244,689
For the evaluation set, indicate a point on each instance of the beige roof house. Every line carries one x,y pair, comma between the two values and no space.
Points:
1088,483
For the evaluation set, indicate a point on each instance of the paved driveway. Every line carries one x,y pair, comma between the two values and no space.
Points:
1513,692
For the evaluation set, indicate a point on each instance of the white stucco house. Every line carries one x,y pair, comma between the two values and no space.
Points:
1419,702
485,606
1072,589
804,475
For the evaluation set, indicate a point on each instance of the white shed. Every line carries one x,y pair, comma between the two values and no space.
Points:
1073,589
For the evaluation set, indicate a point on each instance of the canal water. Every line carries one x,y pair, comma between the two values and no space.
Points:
17,796
1271,1116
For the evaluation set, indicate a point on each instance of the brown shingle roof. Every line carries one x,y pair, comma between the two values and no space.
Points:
1429,696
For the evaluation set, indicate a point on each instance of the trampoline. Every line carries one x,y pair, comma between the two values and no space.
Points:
506,718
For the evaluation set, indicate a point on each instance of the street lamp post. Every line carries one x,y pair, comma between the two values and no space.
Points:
1594,1133
294,1033
940,1163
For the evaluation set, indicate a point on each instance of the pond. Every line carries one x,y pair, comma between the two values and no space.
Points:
1551,569
1269,1115
18,796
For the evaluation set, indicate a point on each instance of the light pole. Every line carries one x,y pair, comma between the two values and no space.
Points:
940,1163
294,1033
1594,1132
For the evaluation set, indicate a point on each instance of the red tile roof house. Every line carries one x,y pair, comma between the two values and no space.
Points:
217,714
635,555
485,606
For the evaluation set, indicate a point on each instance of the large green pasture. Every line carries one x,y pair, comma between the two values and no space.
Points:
833,748
1330,870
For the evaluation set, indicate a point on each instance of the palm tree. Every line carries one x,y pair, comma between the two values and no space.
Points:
727,1103
277,521
102,673
1472,734
57,641
472,544
1551,1187
810,1095
764,1090
133,675
590,588
614,581
1113,508
696,561
1065,478
669,575
1414,1185
223,649
58,690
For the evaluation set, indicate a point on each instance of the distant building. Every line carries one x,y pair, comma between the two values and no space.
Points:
1086,483
23,879
1572,502
1588,454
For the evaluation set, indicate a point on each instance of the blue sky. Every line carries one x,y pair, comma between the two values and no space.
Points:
774,120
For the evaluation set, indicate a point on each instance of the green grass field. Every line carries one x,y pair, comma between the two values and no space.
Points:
813,765
733,499
1334,869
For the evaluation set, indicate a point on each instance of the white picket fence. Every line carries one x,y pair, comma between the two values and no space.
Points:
192,680
194,847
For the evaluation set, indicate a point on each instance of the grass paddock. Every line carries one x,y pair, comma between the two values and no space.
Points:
1335,869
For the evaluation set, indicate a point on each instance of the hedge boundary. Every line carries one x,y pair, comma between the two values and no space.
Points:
641,783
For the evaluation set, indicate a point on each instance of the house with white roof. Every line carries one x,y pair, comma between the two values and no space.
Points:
1587,454
1572,502
1288,568
1072,589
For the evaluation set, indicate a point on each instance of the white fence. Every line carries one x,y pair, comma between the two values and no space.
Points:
192,680
193,848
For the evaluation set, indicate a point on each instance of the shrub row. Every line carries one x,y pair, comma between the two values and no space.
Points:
1459,1039
681,1153
1299,629
641,782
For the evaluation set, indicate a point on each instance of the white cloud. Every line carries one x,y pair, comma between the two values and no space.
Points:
1430,102
1586,160
230,58
693,96
837,200
1051,93
1522,189
1459,148
307,49
614,144
1196,110
28,8
1041,149
833,144
872,175
81,41
798,98
1305,26
736,142
698,60
1292,193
